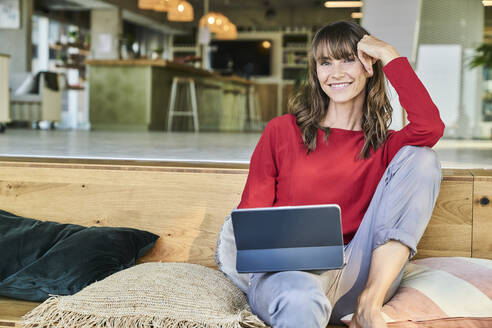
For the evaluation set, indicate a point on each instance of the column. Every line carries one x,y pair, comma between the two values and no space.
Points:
395,22
106,29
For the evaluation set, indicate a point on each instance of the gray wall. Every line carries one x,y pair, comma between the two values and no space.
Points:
17,43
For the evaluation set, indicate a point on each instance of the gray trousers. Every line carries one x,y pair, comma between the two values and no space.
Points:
399,210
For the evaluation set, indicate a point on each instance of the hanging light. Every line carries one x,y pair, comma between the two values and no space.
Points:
214,21
164,5
182,12
208,20
221,20
147,4
228,32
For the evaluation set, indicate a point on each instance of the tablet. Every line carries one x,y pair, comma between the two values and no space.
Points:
285,238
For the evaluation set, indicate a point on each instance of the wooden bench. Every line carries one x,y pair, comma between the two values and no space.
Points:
186,204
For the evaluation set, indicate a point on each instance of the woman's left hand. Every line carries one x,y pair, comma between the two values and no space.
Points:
370,49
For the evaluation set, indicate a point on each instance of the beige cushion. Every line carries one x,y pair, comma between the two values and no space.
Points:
447,292
150,295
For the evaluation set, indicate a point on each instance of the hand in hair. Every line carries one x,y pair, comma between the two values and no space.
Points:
370,49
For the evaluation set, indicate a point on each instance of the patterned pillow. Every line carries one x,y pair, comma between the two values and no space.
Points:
442,292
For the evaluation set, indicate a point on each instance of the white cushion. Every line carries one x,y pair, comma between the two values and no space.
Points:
225,255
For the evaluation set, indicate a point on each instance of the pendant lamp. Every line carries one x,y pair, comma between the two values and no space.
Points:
182,12
147,4
214,21
227,32
164,5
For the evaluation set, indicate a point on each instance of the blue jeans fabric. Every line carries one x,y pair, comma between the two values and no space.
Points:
399,210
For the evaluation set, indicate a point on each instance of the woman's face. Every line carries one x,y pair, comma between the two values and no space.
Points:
342,80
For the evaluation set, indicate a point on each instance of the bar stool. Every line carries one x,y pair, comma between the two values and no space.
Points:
177,81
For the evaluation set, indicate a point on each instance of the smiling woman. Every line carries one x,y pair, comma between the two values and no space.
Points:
385,186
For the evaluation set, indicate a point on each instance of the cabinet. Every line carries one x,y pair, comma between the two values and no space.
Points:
295,50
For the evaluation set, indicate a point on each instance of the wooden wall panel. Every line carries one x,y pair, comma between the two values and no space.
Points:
482,214
449,232
186,206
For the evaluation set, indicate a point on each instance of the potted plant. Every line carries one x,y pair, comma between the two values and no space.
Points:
483,56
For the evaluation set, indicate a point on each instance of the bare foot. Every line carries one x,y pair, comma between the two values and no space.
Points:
367,318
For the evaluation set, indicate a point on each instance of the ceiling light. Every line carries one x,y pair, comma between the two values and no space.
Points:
343,4
266,44
183,12
227,32
164,5
356,15
214,21
487,3
147,4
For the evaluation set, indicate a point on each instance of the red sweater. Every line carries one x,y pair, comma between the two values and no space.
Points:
281,174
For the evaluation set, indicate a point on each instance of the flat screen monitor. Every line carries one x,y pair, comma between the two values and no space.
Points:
245,58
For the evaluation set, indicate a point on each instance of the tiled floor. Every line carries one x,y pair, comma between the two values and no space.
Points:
183,146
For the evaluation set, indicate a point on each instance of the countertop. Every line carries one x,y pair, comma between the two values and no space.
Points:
169,64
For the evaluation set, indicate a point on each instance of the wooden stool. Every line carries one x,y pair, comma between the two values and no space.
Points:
172,102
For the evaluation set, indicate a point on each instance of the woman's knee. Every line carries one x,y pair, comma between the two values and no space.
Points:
300,308
424,159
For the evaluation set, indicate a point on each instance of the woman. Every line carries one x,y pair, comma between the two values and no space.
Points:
335,147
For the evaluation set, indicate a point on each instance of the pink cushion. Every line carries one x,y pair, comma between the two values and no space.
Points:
442,292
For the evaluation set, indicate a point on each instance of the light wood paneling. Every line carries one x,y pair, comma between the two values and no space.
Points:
185,205
482,214
449,232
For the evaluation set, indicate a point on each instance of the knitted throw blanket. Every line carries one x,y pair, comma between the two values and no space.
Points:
150,295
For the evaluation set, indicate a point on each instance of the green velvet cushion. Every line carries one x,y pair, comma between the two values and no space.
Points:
39,258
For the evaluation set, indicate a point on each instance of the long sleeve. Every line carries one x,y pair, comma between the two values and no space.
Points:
425,126
259,190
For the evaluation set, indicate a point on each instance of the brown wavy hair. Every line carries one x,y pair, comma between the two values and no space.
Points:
310,104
